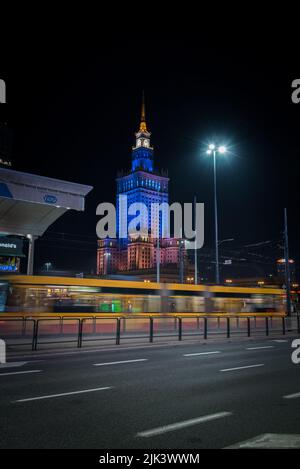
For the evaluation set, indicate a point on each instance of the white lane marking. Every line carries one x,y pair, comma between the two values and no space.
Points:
260,348
243,367
200,353
49,396
292,396
16,364
20,372
279,341
184,424
11,364
269,440
121,362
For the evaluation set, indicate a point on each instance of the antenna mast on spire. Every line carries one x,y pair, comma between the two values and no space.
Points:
143,125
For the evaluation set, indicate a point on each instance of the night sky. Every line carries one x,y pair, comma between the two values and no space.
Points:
74,110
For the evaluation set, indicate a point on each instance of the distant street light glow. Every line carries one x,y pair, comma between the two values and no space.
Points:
222,149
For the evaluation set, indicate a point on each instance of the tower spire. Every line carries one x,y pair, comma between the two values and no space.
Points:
143,125
142,154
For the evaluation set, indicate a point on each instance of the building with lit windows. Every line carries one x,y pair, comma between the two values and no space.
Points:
281,269
143,183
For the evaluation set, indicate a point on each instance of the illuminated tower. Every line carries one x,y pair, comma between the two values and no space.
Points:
142,153
143,183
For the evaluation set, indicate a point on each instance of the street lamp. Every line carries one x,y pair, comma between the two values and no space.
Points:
213,150
48,266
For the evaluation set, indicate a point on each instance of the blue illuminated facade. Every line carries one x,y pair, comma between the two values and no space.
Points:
142,158
141,184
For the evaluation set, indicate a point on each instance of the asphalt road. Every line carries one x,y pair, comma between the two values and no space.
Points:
173,397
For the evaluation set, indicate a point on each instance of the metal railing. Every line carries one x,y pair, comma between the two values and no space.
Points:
65,329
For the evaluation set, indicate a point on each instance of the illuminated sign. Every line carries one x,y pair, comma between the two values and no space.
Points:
11,247
8,268
50,199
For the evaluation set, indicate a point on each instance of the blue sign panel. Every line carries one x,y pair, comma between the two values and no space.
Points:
8,268
50,199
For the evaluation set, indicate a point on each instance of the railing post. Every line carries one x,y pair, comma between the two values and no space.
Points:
283,325
80,329
118,332
2,351
94,324
179,328
198,323
24,326
267,325
228,328
205,328
151,329
248,327
298,323
175,324
61,322
35,334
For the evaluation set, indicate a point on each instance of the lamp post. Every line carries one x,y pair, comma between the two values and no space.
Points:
287,267
48,266
213,150
158,246
158,259
106,259
195,251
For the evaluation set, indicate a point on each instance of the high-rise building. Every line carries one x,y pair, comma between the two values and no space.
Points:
143,183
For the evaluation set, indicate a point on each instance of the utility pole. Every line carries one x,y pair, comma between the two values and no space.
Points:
287,266
181,261
158,248
213,150
216,221
158,259
196,251
30,261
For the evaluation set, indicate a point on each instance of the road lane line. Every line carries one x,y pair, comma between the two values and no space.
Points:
20,372
184,424
269,441
49,396
243,367
260,348
292,396
279,341
200,353
121,362
17,364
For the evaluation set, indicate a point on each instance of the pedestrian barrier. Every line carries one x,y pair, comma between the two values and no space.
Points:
42,331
